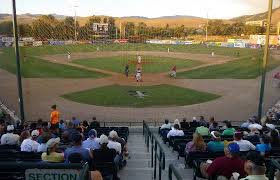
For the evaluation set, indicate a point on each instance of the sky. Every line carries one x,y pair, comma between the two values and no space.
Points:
221,9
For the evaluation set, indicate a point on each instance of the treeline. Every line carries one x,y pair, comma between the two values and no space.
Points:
48,27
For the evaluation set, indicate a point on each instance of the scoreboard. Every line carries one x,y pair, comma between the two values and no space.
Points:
100,28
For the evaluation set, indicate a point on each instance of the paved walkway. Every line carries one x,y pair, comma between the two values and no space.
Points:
239,97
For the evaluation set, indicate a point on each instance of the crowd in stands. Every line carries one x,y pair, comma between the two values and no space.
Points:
68,142
243,149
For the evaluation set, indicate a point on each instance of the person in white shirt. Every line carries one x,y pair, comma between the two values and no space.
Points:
175,131
113,144
166,125
10,138
30,144
243,144
43,146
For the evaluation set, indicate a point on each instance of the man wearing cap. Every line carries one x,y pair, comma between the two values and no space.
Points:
216,145
113,144
202,130
77,148
92,140
105,154
10,138
226,165
255,167
244,145
30,144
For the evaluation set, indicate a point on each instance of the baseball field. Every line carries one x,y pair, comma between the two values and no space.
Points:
92,81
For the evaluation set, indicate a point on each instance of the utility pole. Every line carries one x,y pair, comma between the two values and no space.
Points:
19,83
265,60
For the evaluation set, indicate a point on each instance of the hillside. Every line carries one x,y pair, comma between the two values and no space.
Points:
261,16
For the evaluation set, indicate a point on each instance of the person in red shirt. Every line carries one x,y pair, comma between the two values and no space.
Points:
173,72
226,165
54,118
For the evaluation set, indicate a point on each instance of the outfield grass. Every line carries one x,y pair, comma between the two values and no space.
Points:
199,49
151,64
36,68
157,96
244,68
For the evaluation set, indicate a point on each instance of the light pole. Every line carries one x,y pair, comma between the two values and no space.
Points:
75,23
206,35
265,59
19,83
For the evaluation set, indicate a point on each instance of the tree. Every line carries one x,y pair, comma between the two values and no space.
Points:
25,30
6,28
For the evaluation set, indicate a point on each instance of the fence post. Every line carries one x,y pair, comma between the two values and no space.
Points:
152,151
159,166
155,161
169,173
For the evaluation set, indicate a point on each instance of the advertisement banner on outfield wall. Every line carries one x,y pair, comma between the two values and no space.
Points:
260,39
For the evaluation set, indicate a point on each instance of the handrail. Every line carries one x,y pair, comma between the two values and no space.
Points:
157,152
172,170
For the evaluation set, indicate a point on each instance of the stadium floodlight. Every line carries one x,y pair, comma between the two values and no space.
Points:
265,59
75,6
19,83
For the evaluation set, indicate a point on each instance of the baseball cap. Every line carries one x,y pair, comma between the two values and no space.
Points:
233,148
215,134
52,142
35,133
92,132
10,127
256,158
103,139
255,126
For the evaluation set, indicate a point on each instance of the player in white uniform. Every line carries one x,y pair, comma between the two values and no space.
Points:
138,75
68,56
139,59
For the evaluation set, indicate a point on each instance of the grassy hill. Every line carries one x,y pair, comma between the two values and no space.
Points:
275,17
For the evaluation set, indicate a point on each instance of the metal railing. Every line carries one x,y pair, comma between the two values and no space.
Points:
173,170
157,152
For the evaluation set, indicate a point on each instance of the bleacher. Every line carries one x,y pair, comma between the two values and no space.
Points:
15,164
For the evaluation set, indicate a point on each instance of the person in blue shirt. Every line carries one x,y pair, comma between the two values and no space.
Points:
265,146
92,141
216,145
77,148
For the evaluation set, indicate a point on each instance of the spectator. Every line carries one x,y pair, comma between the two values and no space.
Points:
247,123
24,135
216,145
202,121
43,146
75,122
194,123
94,123
77,148
54,120
113,144
2,128
105,154
65,141
10,138
176,121
255,167
85,126
213,125
203,131
39,125
244,145
71,129
229,130
226,165
30,144
265,146
274,141
253,136
166,125
184,124
92,142
61,125
51,155
175,131
197,144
